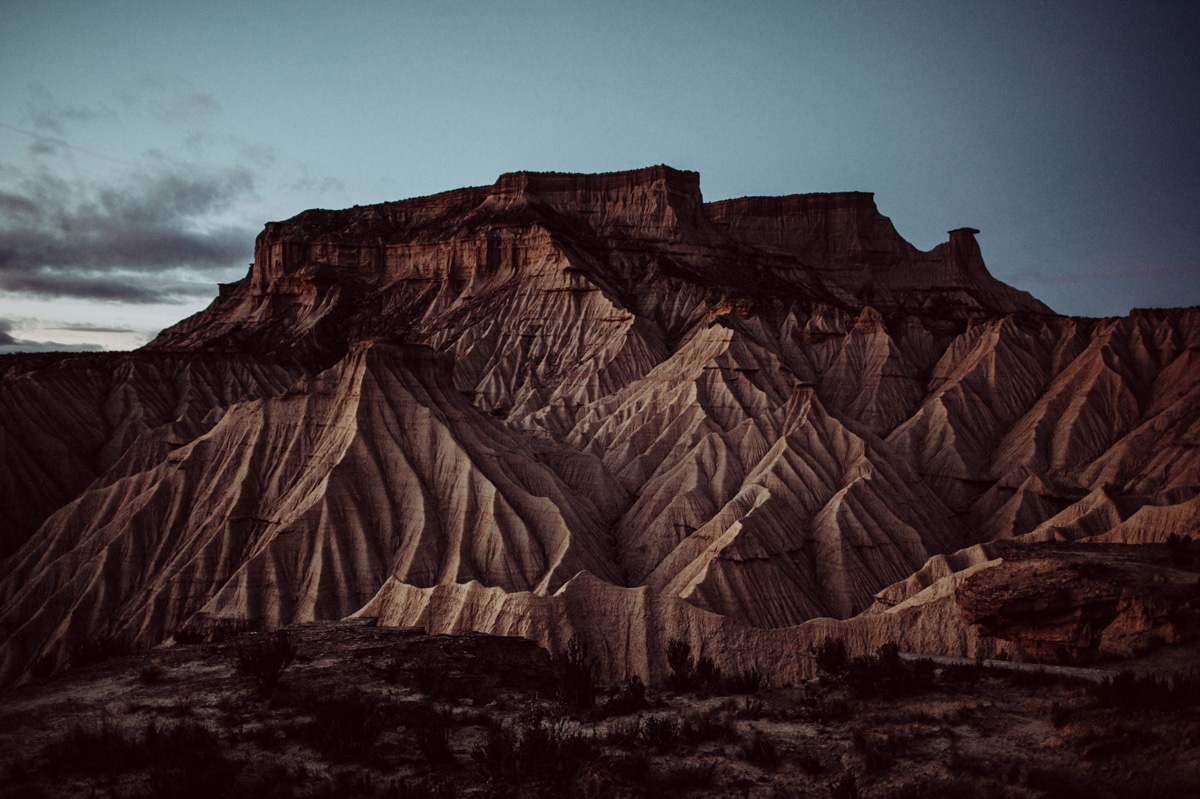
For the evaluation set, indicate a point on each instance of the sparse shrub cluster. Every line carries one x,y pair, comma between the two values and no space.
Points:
1128,690
184,760
538,757
702,674
343,725
745,682
883,675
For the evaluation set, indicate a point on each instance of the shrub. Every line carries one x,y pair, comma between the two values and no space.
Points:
877,754
576,674
434,743
707,675
883,674
629,699
151,672
679,658
660,733
831,656
625,734
1129,690
688,674
429,676
845,787
760,751
107,747
710,725
810,762
534,758
1177,546
264,659
186,759
188,762
744,682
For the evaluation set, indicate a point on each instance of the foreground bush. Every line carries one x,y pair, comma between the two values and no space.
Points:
265,658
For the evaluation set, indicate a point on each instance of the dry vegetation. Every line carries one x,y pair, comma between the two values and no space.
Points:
351,710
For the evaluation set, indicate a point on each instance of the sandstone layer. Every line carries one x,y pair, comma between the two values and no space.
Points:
596,405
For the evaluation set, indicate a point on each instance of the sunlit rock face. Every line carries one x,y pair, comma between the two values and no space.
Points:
585,404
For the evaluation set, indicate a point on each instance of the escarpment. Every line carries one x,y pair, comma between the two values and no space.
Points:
595,405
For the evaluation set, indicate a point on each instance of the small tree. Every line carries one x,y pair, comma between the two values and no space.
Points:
831,656
576,674
679,658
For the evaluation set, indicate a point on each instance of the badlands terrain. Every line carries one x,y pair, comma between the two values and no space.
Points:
595,408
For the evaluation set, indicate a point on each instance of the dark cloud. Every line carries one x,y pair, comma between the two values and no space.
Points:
5,337
148,238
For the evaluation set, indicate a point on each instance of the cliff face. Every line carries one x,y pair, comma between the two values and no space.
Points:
587,395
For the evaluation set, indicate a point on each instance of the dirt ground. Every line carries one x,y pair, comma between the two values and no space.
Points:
366,711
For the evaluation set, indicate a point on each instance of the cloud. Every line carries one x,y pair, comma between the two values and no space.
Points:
170,99
10,344
48,114
148,235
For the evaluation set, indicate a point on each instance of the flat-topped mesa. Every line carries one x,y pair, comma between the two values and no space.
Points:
548,231
655,202
853,247
826,230
353,240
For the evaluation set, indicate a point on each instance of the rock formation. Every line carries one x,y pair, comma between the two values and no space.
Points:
588,404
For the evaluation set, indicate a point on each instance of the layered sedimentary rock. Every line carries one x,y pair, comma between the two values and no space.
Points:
565,398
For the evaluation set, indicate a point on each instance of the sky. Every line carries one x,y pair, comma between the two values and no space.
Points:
144,144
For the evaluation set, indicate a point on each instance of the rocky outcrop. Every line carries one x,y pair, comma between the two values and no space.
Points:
1082,608
589,404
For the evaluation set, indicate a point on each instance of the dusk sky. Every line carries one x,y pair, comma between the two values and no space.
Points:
143,145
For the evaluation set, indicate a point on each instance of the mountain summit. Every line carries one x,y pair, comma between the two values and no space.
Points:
589,405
